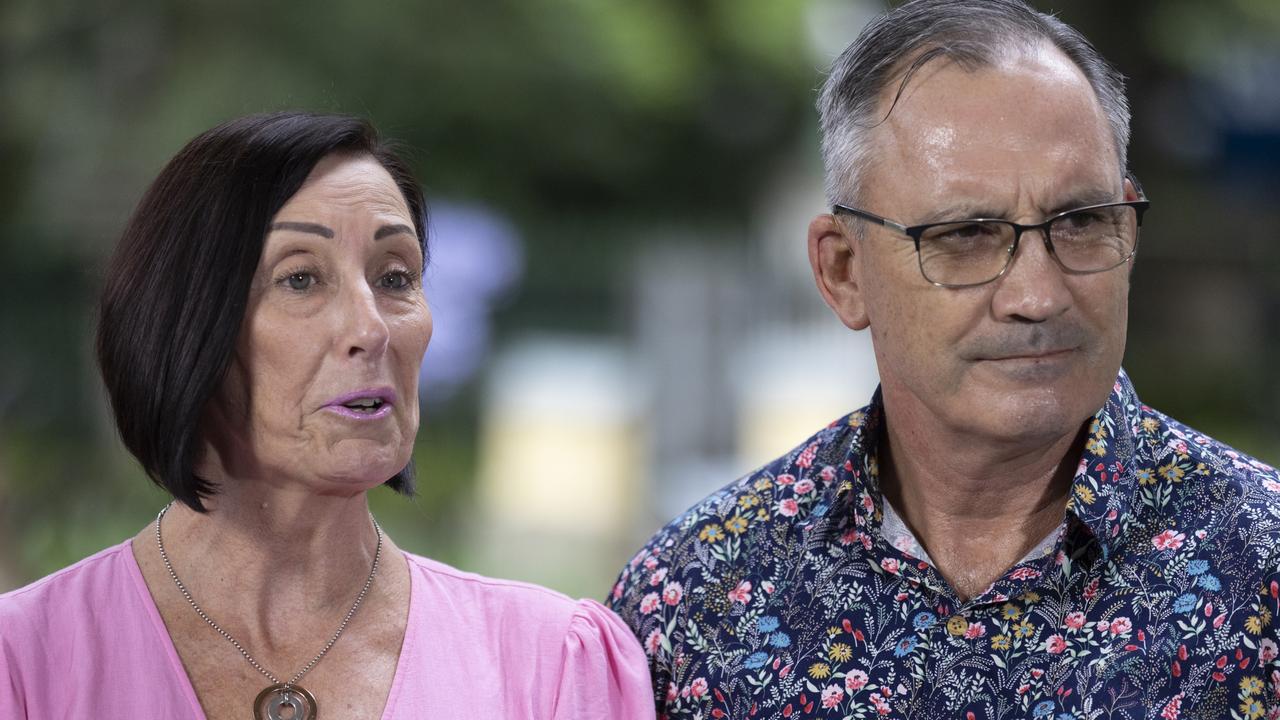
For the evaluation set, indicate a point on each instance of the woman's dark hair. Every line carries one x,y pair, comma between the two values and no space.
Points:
177,285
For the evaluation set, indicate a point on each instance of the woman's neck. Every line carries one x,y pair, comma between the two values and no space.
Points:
271,562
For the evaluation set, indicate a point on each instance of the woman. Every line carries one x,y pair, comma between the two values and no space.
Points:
261,330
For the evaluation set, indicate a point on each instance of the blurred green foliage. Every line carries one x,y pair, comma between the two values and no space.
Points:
575,118
582,120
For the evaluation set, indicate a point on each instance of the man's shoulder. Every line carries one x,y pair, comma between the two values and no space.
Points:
743,529
1200,486
1179,453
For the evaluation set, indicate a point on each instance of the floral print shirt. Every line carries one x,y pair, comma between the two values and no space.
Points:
780,597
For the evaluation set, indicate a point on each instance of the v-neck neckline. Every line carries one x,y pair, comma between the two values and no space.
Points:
408,645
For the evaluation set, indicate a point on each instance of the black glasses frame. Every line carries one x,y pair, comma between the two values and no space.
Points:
916,232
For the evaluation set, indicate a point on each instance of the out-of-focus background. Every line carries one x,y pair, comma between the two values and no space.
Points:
624,314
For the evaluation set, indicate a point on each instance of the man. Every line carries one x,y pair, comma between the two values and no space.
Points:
1006,531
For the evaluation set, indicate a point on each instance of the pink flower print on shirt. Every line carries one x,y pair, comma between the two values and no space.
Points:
832,695
1168,540
855,680
653,643
741,594
807,455
672,593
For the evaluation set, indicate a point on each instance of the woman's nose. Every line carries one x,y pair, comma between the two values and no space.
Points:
365,329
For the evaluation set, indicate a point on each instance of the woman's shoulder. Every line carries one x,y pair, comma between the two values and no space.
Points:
488,595
86,624
546,654
67,593
480,605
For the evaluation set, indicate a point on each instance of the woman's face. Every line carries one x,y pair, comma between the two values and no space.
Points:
323,386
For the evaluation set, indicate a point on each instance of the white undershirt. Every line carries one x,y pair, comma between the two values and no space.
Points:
897,534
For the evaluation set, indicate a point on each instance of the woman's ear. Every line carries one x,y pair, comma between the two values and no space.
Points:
834,258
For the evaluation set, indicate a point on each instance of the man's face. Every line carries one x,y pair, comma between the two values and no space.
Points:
1031,355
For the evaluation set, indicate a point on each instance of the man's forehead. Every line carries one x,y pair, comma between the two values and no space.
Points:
916,71
1029,115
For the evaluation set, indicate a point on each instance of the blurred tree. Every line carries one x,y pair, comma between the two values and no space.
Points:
579,119
572,116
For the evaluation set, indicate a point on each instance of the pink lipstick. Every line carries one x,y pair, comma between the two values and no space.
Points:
368,404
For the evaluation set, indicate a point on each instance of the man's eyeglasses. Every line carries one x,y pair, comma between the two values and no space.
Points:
966,253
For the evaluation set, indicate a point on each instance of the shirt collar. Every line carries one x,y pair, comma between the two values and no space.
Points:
1102,489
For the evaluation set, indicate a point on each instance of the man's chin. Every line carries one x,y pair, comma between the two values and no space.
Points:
1041,414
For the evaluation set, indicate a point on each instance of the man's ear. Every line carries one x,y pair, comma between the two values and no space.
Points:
833,256
1130,191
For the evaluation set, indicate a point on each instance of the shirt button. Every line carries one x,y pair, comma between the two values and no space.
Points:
957,625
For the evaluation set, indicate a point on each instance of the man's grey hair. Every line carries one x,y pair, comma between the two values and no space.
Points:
972,33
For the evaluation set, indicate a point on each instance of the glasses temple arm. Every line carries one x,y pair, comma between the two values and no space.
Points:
871,217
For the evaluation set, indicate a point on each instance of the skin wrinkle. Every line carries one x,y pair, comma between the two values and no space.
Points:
981,441
303,428
894,141
287,542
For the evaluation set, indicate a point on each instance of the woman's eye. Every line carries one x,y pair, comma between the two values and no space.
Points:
300,280
395,280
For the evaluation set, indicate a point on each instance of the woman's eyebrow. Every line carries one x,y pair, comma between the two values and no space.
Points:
325,232
306,227
393,229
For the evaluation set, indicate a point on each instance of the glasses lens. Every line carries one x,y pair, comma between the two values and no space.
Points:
1095,239
965,253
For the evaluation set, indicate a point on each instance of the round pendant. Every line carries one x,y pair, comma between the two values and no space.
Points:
284,702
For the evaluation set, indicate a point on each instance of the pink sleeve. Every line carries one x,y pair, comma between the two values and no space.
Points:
12,704
605,674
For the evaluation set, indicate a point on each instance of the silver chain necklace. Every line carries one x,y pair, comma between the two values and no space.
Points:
272,702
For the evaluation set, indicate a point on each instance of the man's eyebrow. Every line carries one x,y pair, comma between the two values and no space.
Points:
1097,196
970,211
306,227
963,211
394,229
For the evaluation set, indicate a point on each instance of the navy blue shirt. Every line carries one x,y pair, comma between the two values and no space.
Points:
779,597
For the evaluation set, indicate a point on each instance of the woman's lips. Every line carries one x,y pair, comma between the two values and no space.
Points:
366,404
381,412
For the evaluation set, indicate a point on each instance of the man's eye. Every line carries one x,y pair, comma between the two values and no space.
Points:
300,280
969,231
1081,220
964,234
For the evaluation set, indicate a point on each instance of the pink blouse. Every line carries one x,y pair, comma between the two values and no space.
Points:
88,641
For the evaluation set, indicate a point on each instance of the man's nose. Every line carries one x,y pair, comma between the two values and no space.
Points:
1034,287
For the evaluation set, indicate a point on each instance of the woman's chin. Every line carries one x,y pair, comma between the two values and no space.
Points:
356,472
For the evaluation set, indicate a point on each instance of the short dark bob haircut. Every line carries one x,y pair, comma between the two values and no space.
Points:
177,286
